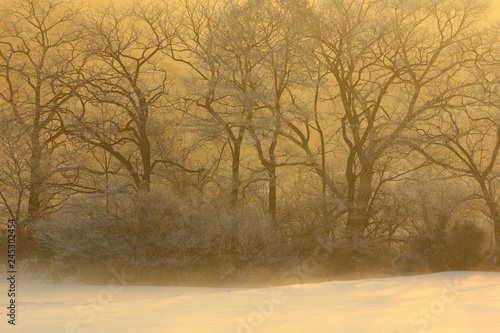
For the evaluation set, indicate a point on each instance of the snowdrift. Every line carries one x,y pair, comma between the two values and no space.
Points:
443,302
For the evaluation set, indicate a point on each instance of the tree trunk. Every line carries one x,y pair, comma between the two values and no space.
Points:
359,202
146,165
36,181
36,184
235,171
272,195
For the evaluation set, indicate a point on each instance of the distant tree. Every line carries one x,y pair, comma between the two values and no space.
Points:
248,61
219,96
281,40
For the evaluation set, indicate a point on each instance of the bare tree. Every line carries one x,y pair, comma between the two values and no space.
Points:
126,86
393,66
39,72
248,61
465,140
221,85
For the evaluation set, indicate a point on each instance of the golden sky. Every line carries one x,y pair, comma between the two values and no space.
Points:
493,13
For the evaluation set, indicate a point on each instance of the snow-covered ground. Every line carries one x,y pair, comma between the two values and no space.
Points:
444,302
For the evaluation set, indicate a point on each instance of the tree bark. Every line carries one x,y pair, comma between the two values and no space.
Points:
359,201
235,170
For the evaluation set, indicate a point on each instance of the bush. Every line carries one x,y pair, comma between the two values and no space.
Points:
160,235
358,259
491,261
440,250
465,243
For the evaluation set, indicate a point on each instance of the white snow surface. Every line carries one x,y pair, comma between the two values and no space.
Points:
443,302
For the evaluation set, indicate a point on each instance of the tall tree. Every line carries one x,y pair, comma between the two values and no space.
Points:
465,140
392,65
39,73
126,85
248,62
223,61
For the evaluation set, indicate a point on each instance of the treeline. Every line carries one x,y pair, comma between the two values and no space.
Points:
222,138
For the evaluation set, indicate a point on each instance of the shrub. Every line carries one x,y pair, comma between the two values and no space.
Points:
465,242
160,234
458,248
359,259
